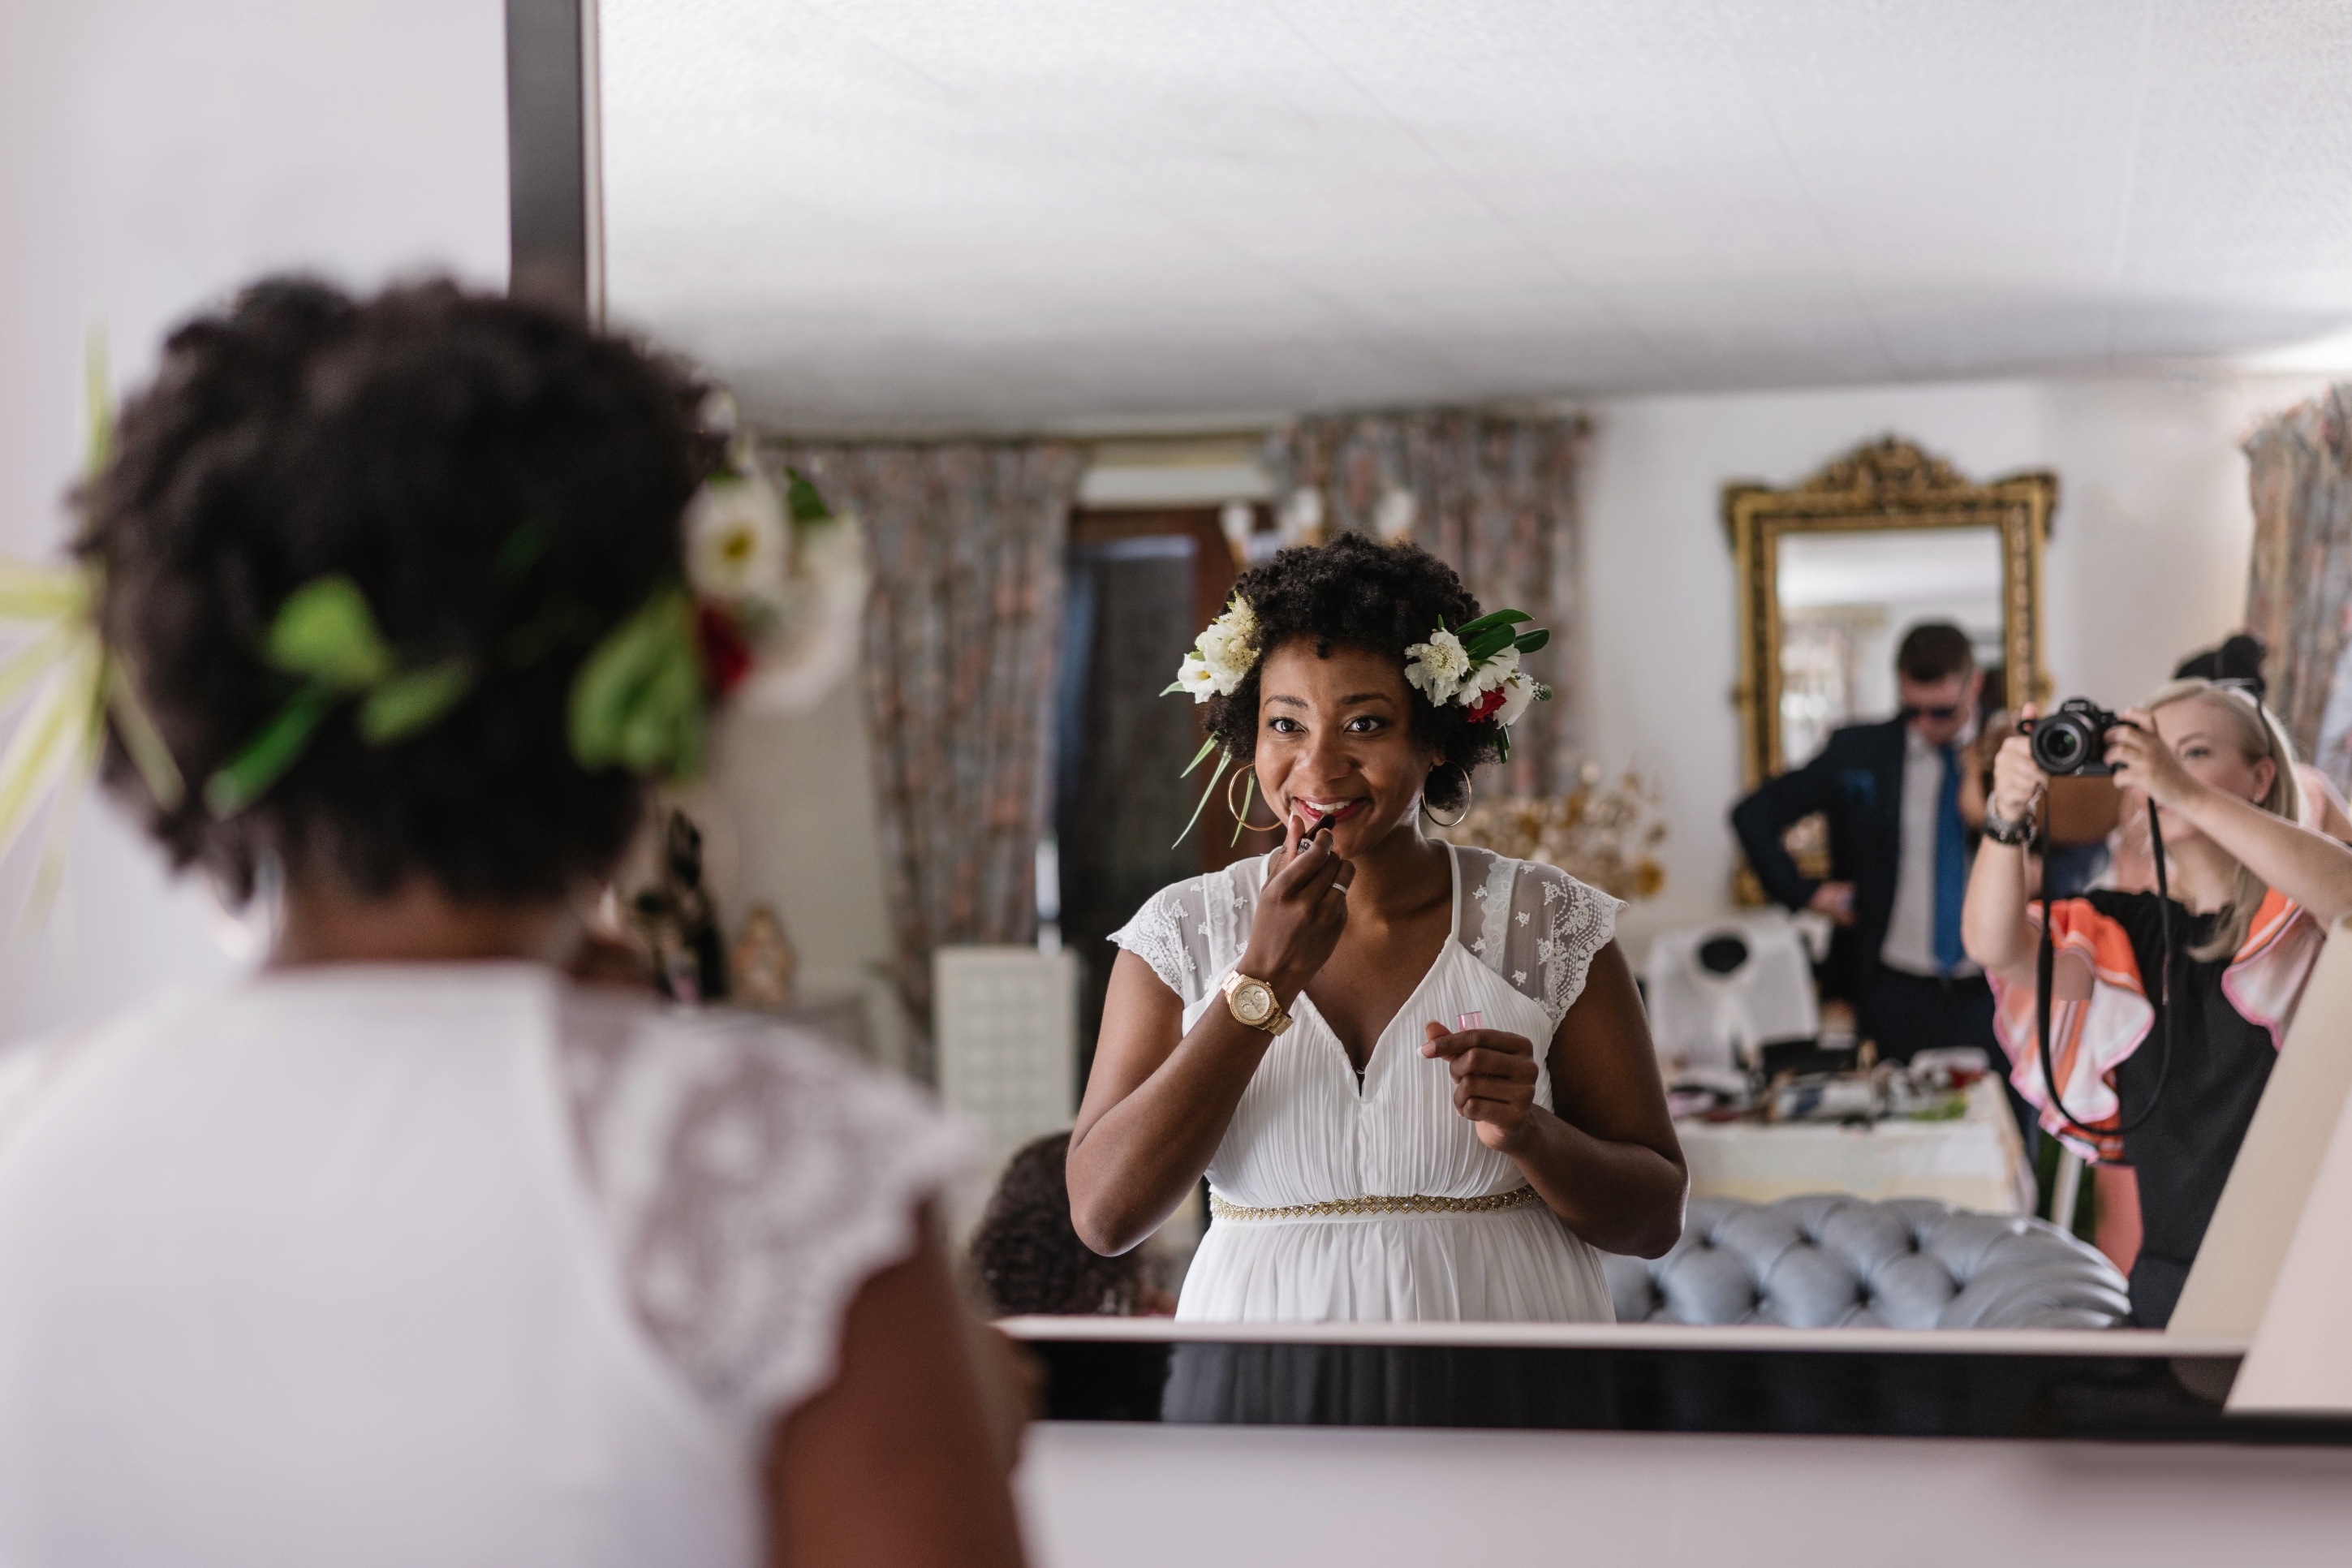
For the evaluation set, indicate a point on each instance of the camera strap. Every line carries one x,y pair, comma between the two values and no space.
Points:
2046,965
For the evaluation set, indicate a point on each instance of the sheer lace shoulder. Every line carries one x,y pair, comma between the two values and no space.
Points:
1535,925
1190,931
753,1179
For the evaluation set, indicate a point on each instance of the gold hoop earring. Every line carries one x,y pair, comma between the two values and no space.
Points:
1239,813
1470,793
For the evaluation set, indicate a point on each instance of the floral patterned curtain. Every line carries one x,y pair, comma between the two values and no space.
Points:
1492,497
961,641
2299,593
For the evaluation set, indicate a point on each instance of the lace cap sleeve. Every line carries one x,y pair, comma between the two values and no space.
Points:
753,1179
1536,926
1171,932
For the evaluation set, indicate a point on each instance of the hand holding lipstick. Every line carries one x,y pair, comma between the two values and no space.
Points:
1301,914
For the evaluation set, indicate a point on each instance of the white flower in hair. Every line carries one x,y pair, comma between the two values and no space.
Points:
1519,693
1223,657
1437,667
1496,669
1229,644
737,544
1195,677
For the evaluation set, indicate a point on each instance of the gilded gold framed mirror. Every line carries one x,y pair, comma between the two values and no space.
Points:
1832,571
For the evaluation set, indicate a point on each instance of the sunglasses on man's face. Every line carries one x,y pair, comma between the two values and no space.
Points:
1943,714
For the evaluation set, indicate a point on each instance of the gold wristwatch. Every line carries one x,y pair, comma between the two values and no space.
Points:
1252,1003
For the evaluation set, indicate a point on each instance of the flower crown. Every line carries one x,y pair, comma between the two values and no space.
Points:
1474,666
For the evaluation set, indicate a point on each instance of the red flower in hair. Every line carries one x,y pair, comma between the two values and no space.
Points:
726,657
1486,707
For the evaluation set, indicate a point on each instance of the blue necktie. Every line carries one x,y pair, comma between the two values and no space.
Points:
1951,865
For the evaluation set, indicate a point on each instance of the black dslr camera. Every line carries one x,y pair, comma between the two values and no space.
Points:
2073,742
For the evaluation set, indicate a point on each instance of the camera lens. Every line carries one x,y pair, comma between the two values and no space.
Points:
2065,744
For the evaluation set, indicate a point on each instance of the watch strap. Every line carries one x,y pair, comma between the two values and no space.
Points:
2001,830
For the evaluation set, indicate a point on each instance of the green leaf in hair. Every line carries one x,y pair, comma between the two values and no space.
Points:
249,776
1249,798
326,633
1223,761
1206,747
801,498
1487,644
1492,619
1529,642
400,705
141,739
638,702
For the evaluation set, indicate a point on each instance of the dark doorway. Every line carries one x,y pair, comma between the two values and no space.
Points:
1140,587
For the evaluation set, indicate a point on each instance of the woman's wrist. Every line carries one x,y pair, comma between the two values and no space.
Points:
2006,825
1285,983
1527,1139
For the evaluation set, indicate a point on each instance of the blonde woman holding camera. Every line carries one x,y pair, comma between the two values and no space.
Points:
2252,894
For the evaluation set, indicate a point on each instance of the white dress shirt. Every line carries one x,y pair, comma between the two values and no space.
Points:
1910,943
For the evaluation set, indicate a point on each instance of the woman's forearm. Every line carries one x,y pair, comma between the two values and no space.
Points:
1993,927
1134,1164
1625,1198
2310,868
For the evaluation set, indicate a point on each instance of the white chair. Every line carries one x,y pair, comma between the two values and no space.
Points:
1718,993
1006,1023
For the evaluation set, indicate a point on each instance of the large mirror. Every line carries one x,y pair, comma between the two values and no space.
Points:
1834,571
1086,318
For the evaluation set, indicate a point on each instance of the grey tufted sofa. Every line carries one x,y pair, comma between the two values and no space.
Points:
1830,1260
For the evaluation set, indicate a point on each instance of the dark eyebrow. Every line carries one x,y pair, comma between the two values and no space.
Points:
1350,701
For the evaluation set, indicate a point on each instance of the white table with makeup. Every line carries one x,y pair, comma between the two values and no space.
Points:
1976,1160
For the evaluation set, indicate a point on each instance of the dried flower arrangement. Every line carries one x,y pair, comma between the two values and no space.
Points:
1603,835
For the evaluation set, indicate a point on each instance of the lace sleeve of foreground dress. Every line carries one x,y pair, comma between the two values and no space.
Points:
1190,931
753,1179
1535,925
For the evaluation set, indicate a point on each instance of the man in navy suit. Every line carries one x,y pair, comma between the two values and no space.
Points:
1899,854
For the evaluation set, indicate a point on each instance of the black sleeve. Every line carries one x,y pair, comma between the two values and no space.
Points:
1762,818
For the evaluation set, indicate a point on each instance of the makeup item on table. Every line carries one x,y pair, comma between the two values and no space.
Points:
1465,1022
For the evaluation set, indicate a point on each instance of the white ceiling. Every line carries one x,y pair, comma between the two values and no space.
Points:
907,213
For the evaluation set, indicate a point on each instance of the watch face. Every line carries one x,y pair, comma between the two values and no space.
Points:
1252,1002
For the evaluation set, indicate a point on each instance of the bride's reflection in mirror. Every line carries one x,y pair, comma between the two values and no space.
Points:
1416,1075
1096,377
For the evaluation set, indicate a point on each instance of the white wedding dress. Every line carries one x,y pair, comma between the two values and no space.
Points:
1307,1133
407,1264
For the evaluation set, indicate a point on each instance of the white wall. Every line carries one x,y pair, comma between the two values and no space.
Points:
798,799
153,154
2148,558
1112,1496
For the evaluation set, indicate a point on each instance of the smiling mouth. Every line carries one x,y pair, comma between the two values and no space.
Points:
1328,813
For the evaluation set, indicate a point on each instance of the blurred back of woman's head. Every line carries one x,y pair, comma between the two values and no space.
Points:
502,486
1027,1255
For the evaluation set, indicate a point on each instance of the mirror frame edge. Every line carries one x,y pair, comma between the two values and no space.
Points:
1882,485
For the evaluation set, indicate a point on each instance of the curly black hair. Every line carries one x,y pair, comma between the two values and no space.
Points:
1385,597
502,483
1027,1255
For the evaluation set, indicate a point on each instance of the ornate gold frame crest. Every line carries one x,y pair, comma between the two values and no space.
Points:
1884,484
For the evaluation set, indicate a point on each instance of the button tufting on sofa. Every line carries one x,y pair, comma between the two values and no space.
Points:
1830,1260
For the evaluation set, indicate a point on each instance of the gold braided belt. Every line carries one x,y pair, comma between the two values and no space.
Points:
1333,1208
